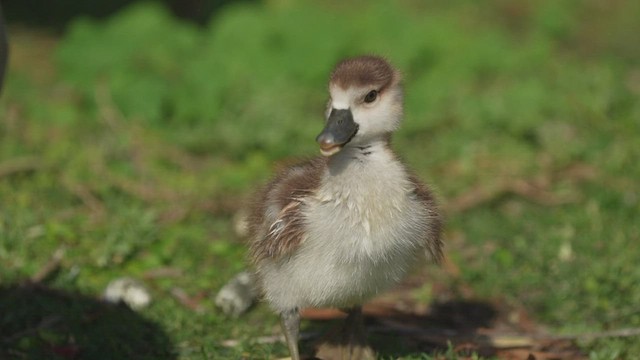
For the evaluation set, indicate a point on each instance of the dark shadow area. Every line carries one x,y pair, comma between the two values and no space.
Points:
37,322
455,322
394,334
462,315
56,14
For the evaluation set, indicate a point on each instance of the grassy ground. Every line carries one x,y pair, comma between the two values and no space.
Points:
130,144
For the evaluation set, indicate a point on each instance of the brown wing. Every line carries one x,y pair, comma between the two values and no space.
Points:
432,232
277,222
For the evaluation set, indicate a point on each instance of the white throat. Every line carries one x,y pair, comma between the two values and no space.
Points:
367,180
361,159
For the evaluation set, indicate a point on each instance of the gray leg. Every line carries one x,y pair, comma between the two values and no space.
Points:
354,320
290,321
354,332
349,342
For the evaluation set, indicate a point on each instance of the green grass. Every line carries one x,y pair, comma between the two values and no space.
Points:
131,144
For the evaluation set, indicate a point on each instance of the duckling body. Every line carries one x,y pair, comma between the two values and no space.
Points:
363,228
339,229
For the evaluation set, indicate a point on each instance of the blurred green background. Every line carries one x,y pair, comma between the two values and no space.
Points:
130,139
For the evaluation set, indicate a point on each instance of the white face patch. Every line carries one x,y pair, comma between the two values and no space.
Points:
374,119
340,99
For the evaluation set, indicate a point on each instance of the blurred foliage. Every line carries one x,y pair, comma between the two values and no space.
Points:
190,79
134,148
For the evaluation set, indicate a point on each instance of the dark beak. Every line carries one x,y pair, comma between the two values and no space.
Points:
340,129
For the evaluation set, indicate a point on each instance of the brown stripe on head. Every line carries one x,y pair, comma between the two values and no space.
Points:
364,71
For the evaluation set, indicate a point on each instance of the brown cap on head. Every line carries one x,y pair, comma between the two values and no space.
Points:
362,71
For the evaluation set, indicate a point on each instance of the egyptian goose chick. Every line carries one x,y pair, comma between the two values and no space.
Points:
339,229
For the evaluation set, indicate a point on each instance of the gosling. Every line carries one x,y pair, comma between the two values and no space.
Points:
339,229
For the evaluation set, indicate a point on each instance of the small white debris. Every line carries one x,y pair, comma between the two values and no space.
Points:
566,252
237,296
35,232
129,291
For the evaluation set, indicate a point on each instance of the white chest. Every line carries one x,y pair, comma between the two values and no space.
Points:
363,211
363,233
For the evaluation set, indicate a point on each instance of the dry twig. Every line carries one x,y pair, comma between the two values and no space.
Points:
163,272
192,303
20,165
272,339
50,267
86,195
537,189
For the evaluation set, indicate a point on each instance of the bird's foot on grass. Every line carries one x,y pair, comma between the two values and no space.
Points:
328,351
348,342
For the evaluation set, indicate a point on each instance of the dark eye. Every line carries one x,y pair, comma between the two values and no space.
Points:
371,96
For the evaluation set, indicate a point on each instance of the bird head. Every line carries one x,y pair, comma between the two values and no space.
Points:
365,104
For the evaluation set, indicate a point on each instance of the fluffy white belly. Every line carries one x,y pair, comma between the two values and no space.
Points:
363,230
348,256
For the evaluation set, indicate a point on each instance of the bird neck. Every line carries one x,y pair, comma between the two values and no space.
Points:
358,156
